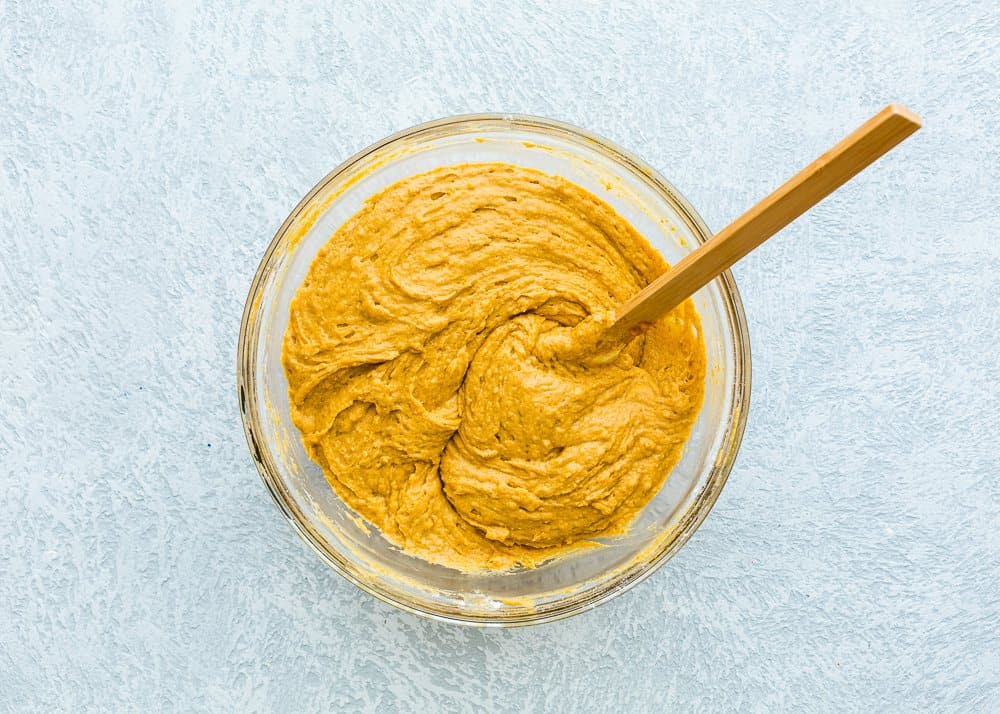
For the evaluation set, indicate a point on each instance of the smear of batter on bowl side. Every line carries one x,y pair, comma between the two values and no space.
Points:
441,367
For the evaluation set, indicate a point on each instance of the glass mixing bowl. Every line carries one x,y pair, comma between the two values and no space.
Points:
566,585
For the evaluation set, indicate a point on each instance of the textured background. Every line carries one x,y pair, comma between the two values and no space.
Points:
148,155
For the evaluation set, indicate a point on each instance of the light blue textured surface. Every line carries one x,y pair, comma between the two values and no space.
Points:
147,156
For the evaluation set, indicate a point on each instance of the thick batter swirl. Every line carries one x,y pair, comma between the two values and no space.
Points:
441,367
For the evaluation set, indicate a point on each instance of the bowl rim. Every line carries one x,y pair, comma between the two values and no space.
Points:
695,513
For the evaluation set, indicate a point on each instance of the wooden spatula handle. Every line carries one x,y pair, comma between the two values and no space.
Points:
793,198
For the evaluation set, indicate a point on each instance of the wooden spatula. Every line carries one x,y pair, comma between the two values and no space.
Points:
793,198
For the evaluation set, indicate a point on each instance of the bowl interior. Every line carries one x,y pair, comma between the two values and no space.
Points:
566,584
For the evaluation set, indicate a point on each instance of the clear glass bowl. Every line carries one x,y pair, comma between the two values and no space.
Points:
569,584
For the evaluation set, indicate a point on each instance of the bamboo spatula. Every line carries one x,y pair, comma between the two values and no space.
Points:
793,198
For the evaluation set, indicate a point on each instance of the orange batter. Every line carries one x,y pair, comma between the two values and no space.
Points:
441,367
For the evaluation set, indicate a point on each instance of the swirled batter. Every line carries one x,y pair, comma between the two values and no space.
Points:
442,370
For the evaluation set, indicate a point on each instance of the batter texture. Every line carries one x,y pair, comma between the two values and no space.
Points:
443,372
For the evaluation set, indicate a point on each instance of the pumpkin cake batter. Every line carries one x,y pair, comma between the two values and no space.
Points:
442,367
